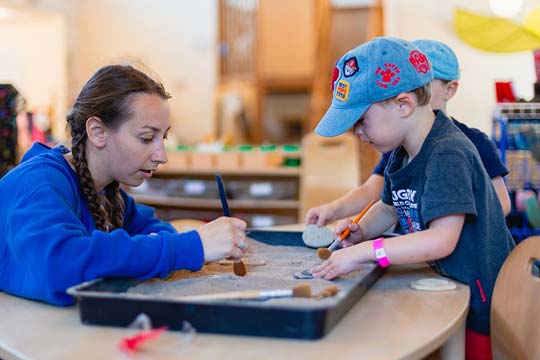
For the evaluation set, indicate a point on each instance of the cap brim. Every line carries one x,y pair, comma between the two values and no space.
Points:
338,120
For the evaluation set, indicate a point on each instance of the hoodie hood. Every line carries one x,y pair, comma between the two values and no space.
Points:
38,148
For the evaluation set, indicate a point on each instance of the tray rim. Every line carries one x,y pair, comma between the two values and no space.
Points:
77,292
275,320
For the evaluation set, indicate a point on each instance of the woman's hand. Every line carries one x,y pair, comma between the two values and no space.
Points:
223,238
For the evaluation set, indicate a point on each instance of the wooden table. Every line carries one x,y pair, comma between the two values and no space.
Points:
390,321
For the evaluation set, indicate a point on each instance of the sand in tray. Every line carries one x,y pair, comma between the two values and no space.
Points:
281,263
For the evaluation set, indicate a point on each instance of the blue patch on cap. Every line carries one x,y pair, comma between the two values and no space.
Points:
350,67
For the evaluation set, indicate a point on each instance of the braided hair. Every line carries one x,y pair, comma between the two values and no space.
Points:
106,96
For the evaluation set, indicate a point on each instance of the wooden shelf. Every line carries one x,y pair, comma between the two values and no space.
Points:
184,202
255,194
286,85
270,172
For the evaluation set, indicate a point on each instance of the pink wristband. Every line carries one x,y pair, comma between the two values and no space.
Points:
380,254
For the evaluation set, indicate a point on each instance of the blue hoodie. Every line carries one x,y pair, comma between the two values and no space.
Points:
48,239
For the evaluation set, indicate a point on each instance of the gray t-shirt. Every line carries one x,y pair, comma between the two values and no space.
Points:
447,177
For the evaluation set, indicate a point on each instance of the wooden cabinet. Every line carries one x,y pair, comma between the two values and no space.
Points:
275,64
266,68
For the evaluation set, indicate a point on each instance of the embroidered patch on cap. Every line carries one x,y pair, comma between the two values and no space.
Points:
350,67
388,75
342,91
419,61
335,75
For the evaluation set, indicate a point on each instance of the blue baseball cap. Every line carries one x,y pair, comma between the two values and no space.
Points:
374,71
443,60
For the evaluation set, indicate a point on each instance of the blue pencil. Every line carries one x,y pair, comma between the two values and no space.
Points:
222,196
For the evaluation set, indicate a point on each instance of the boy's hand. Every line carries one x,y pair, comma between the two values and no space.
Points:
356,235
341,262
320,215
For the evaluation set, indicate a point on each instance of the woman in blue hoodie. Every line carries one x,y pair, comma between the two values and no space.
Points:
63,218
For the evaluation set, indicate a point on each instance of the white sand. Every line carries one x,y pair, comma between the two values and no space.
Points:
281,263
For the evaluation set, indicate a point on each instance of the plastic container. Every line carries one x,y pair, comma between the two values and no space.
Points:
228,158
178,158
261,157
273,157
251,157
203,160
292,155
197,188
277,189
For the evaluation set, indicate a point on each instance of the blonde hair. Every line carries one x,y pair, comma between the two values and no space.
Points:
422,94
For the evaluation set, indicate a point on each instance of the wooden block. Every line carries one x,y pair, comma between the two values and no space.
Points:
431,284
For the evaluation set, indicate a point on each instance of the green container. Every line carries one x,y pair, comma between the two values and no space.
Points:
292,156
268,147
245,147
291,148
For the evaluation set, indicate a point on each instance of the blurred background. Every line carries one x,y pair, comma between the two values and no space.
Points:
252,77
262,59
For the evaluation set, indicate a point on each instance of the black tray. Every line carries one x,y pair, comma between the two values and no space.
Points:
107,302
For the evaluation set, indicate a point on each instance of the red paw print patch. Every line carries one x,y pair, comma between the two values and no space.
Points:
419,61
388,75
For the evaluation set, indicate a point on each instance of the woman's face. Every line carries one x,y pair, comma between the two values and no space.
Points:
136,148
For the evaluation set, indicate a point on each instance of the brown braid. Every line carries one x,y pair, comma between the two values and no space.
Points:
116,201
97,210
106,96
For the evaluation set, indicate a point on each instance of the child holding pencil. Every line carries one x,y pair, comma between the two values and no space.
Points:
435,182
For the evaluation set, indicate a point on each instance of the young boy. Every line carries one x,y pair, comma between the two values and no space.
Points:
443,88
435,184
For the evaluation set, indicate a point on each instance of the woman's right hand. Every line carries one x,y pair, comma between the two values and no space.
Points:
356,235
224,237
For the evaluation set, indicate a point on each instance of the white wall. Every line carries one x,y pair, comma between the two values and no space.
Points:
70,10
33,54
175,39
433,19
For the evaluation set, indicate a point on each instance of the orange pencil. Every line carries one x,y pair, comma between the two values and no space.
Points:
324,253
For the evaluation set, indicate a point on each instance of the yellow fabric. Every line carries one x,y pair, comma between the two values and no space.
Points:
494,34
532,21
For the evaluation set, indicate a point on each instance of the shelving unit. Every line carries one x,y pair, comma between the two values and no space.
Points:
162,201
512,124
260,190
262,197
